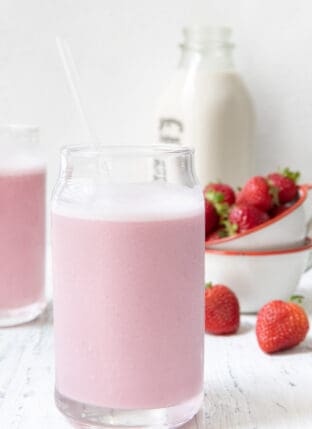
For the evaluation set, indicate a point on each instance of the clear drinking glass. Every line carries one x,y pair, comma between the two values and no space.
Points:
128,268
22,225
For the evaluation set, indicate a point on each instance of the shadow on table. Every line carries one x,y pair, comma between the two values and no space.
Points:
304,347
245,327
46,318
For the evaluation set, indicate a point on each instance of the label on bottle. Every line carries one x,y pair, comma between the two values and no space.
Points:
170,130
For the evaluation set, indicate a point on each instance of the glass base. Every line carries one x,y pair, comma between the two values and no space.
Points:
89,416
17,316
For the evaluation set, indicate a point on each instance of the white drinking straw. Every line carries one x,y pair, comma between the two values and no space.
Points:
74,85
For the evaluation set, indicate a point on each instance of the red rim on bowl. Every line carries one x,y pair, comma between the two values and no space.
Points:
306,246
303,193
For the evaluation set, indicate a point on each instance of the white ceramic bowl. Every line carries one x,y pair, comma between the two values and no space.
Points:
258,277
286,230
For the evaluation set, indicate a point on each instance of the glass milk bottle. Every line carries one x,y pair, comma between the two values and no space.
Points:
128,275
207,106
22,225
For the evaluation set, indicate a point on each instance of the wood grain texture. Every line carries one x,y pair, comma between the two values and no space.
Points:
245,388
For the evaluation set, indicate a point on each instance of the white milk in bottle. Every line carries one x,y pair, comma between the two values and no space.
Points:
207,106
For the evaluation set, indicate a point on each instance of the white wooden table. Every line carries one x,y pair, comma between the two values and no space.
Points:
245,389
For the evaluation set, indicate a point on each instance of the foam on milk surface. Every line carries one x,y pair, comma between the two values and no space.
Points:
20,164
130,202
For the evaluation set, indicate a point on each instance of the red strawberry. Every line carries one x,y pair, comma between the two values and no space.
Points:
222,310
277,210
217,235
222,188
281,325
211,217
240,197
285,182
257,192
243,217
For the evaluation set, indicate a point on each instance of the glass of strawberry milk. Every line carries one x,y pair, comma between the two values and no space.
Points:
22,225
128,269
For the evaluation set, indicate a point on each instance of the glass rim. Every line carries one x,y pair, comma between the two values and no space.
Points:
152,150
208,30
205,37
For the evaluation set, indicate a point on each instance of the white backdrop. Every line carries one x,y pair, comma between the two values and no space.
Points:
126,50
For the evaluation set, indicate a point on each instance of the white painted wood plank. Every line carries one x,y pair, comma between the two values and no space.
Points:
26,377
245,388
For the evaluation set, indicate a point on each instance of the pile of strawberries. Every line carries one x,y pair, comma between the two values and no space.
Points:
280,325
261,198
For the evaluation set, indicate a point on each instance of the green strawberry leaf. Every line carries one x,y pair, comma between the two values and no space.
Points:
214,196
297,299
222,233
208,285
217,198
293,175
230,228
273,191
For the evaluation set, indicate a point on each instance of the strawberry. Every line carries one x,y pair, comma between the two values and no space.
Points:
243,217
259,193
285,182
215,209
217,235
221,310
211,217
281,325
277,210
222,188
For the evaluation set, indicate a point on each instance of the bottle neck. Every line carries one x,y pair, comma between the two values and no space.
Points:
207,48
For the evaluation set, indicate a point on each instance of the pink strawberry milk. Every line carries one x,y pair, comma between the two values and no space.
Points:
128,267
22,225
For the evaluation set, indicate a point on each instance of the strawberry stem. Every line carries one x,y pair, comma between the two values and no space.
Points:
292,175
230,228
222,233
217,199
297,299
273,191
208,285
214,196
